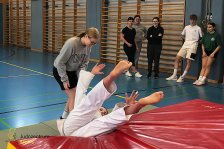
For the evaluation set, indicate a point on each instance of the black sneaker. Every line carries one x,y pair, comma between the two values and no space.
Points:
156,76
149,75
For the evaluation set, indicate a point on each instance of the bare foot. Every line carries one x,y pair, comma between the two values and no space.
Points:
121,67
152,99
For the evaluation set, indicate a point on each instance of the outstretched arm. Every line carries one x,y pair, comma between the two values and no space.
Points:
85,79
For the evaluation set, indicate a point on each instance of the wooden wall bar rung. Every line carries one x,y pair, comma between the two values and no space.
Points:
169,9
174,3
147,4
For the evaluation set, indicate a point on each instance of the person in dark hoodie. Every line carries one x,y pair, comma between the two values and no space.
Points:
154,46
73,57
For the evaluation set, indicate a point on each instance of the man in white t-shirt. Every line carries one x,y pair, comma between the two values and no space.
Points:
192,34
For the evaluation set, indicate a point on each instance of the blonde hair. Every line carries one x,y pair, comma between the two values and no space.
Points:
91,32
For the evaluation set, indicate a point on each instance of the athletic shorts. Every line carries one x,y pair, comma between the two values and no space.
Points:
72,78
208,53
188,52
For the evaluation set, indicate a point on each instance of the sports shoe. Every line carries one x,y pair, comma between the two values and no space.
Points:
172,78
149,75
195,82
128,74
200,82
181,79
138,75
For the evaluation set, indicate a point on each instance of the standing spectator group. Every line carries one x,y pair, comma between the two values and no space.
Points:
134,34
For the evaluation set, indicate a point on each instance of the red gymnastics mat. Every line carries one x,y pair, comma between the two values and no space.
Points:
195,124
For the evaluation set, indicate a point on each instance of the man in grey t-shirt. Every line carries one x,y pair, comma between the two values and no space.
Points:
141,33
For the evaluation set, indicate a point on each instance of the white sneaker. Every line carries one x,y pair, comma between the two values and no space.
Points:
200,82
172,78
195,82
181,79
128,74
138,75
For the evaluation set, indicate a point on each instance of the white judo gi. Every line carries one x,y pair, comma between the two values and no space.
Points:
81,120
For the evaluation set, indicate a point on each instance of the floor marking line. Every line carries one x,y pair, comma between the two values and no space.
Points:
32,108
31,103
120,96
171,85
32,113
26,69
39,95
28,75
4,123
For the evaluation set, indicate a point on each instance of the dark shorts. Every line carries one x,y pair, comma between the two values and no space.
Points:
208,53
72,77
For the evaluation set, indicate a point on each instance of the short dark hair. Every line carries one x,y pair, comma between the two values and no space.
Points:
211,23
130,18
137,16
193,17
157,18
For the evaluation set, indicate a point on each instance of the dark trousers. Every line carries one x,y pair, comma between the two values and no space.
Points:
153,54
130,52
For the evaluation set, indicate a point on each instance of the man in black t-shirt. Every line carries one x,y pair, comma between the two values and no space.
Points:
128,37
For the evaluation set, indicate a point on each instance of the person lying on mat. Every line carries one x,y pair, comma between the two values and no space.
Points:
82,120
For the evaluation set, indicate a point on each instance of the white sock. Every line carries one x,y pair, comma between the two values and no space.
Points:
184,74
174,72
65,114
203,78
200,77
